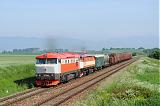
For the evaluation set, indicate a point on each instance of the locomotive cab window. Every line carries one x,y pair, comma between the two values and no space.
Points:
41,61
46,61
51,61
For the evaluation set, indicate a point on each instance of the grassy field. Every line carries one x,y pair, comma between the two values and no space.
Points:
7,60
16,73
138,86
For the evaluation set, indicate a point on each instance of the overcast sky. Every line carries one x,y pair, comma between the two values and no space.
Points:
129,23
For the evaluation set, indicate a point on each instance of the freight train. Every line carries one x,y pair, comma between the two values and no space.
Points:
54,68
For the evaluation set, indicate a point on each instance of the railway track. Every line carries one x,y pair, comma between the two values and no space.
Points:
62,97
57,95
20,96
17,94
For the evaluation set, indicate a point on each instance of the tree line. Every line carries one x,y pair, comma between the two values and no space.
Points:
153,53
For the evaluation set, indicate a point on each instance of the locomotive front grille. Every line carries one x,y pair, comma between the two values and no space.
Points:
44,69
44,76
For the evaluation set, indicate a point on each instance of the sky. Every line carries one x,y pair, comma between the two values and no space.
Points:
91,24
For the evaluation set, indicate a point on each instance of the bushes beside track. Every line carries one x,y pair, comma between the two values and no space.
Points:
16,78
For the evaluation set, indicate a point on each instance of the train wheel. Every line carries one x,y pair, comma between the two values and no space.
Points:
64,79
81,74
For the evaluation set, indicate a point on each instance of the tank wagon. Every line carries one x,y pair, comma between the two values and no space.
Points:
54,68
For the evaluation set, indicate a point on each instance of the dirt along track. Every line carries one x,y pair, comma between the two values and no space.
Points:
58,94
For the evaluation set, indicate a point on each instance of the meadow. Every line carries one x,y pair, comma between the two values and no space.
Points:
7,60
17,73
138,86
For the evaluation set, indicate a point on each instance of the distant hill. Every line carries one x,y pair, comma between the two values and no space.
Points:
9,43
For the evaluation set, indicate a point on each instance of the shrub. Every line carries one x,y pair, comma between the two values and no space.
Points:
134,54
155,54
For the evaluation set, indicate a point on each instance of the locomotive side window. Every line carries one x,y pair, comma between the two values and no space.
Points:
76,60
59,60
65,61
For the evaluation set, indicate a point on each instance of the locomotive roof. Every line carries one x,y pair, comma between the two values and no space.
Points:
58,55
96,55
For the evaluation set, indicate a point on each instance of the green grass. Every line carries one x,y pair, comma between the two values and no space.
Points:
16,73
138,86
149,76
148,71
155,61
16,78
7,60
122,96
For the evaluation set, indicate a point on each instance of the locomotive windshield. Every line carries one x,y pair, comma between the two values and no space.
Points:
46,61
41,61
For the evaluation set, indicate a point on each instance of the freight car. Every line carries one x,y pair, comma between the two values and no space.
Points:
115,58
54,68
102,60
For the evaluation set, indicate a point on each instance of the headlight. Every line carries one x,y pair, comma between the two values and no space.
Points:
38,75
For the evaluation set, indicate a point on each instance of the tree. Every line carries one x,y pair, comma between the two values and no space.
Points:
141,48
155,53
134,54
103,49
